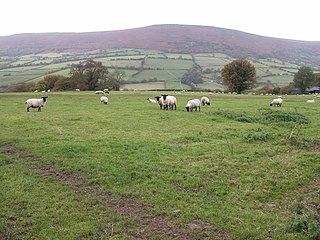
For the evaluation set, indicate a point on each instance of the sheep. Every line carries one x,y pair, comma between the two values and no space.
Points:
104,99
159,101
36,103
311,101
77,89
151,100
205,100
169,102
276,102
99,92
106,90
193,104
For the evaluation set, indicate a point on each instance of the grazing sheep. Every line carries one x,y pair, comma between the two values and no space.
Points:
150,100
276,102
205,100
169,102
104,99
99,92
193,104
311,101
159,101
36,103
106,90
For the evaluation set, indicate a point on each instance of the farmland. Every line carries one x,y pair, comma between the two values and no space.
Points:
238,169
142,67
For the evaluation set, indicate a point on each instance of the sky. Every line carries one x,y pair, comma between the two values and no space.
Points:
287,19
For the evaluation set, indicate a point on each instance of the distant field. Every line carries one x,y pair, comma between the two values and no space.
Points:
237,169
139,65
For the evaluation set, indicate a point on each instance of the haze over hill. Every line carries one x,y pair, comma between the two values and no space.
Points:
168,38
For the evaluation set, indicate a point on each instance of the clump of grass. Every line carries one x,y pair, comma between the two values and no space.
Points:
240,117
267,116
309,144
260,137
307,218
281,116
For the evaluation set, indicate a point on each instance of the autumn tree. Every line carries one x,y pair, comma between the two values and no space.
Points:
303,78
48,82
87,75
239,75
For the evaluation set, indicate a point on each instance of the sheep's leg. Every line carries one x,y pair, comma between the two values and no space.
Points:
28,109
39,109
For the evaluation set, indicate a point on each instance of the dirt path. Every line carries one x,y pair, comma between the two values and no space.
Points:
150,225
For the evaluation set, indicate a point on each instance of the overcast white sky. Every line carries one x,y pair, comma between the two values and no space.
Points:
295,19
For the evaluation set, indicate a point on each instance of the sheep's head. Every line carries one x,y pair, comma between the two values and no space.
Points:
164,96
44,98
188,108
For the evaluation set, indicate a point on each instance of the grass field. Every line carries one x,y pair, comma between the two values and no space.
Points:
238,169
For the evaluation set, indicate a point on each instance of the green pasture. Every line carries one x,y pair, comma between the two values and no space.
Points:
170,64
172,75
239,168
144,86
211,61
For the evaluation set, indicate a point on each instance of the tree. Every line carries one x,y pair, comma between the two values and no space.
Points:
239,75
48,82
193,75
88,75
113,80
316,80
303,78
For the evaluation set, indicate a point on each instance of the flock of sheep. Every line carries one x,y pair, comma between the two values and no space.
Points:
169,102
165,102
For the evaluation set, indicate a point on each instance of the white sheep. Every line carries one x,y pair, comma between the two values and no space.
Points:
169,102
150,100
159,101
193,104
99,92
77,89
276,102
104,99
311,101
36,103
205,100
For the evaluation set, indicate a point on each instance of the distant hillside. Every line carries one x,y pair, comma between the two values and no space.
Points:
168,38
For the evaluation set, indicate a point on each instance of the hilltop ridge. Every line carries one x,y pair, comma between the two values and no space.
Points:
168,38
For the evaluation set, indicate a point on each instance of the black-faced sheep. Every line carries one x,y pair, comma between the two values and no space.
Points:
159,101
169,102
276,102
104,99
36,103
193,104
205,100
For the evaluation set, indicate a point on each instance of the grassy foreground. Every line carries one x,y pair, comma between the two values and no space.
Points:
238,169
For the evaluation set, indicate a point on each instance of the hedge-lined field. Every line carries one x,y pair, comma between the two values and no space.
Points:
141,65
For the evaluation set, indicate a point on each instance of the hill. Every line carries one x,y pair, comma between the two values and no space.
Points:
168,38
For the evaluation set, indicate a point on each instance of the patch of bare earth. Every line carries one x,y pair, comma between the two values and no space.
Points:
150,225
